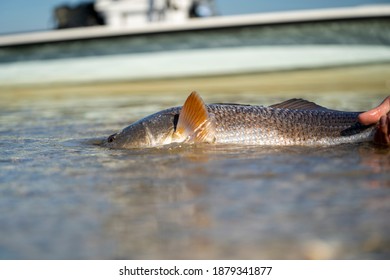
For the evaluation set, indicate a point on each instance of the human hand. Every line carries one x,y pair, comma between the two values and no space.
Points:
381,116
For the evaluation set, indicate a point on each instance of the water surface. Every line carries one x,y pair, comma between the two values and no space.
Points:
64,197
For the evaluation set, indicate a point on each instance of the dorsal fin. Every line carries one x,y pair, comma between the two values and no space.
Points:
195,124
299,104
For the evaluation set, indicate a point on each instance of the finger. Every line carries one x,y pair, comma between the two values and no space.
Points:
387,131
382,136
372,116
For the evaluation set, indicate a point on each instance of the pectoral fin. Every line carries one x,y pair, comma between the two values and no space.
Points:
195,124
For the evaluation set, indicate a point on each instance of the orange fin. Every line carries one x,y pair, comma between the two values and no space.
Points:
195,124
299,104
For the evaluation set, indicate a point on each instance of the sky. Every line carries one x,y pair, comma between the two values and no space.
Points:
18,16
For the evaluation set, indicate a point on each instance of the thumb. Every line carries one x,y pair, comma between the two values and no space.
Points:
373,116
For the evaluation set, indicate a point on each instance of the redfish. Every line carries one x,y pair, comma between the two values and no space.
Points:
293,122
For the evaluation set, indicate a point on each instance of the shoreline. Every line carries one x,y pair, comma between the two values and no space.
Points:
346,78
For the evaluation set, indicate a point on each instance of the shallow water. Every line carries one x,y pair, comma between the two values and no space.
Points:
62,196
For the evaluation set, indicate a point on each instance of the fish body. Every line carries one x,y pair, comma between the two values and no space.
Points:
294,122
258,125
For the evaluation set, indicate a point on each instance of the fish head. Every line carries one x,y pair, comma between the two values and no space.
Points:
151,131
190,123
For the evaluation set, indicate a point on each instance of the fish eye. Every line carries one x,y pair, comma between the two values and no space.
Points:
111,138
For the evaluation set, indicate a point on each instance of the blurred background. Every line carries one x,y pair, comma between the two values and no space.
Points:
73,42
74,72
21,16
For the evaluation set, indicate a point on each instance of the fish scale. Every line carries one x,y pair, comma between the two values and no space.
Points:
259,125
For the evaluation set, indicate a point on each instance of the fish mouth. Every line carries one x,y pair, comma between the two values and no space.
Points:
98,141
